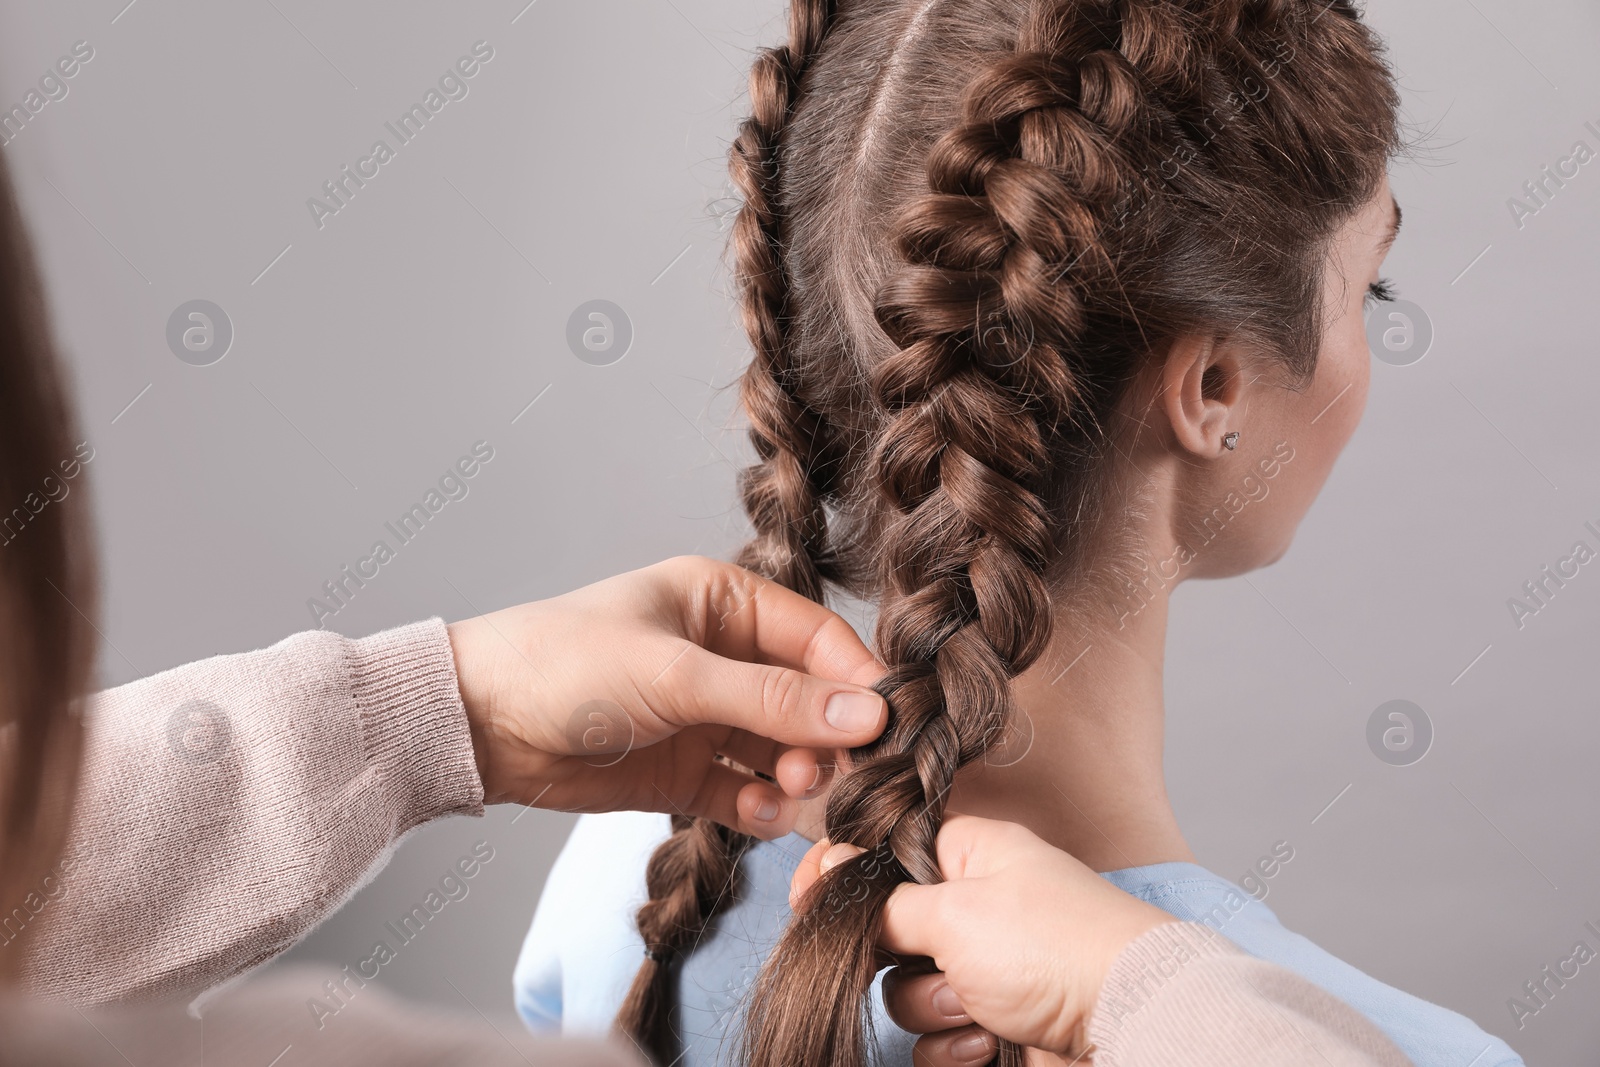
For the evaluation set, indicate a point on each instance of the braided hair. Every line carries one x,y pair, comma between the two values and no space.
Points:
967,226
693,874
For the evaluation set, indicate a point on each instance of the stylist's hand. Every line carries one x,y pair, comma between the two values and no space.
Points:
621,696
1022,934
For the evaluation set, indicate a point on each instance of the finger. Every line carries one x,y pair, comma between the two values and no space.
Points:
922,1003
819,859
955,1048
911,925
765,811
800,772
806,875
836,854
751,618
740,802
804,772
752,751
779,703
972,847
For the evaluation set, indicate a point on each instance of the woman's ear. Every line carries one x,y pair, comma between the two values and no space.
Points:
1202,392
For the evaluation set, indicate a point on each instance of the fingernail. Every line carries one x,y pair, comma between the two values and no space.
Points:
767,810
853,711
946,1003
973,1048
816,781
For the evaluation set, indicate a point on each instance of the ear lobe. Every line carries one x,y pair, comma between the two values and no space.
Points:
1202,385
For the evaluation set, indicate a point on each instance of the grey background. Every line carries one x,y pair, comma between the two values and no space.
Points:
587,163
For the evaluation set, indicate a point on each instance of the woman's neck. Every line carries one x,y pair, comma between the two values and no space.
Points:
1089,779
1082,766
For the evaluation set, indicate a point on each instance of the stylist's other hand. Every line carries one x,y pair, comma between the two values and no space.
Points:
623,694
1021,933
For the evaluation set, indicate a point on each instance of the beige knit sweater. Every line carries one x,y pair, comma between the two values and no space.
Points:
230,805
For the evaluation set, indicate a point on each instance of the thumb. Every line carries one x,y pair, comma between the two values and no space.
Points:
911,923
973,847
917,918
779,703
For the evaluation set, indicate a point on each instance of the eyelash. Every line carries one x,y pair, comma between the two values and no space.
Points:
1381,291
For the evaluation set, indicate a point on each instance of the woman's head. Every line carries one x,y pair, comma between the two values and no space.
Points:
1008,266
1292,423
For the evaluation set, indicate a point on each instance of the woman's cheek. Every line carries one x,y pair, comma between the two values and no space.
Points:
1355,372
1333,406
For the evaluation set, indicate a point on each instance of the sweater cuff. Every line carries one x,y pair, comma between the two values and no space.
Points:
414,724
1145,967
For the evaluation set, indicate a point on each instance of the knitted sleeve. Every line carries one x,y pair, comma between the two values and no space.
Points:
1182,993
227,806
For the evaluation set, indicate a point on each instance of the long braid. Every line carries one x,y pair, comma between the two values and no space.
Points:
689,878
799,460
694,873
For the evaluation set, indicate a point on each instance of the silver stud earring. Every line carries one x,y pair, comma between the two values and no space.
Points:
1230,440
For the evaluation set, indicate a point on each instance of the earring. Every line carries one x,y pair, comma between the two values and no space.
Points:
1230,440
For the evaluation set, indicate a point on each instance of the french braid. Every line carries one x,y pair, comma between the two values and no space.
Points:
984,216
980,391
693,874
783,493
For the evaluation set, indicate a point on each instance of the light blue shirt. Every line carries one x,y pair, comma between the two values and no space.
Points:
582,950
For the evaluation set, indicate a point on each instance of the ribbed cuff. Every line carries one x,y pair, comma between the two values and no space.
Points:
1144,968
414,724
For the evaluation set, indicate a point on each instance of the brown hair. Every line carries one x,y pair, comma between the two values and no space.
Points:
967,224
46,585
